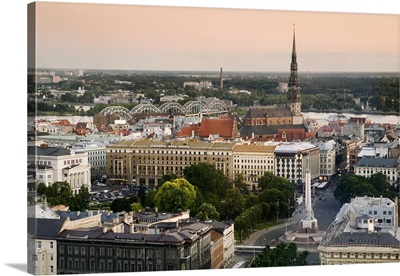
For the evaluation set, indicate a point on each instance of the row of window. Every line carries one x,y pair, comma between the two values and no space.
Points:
251,167
72,161
110,252
171,152
361,255
254,161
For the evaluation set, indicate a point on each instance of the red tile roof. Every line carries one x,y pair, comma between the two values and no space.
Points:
223,127
186,131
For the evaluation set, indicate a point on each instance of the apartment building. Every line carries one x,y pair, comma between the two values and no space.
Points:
327,155
368,166
93,250
227,229
253,160
290,161
146,161
364,231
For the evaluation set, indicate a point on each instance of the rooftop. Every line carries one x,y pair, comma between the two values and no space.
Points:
377,162
294,147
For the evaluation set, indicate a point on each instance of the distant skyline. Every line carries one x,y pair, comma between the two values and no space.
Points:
137,37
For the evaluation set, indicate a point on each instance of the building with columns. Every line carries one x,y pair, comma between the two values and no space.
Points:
57,164
146,161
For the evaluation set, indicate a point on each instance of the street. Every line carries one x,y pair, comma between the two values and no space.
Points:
325,208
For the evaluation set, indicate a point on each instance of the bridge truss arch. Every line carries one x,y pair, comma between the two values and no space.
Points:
121,111
215,106
193,107
171,107
145,108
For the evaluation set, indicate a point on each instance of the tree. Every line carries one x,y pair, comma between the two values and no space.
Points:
136,207
351,186
59,193
251,200
167,177
271,181
120,204
207,212
234,203
174,195
239,182
80,201
41,189
282,255
207,178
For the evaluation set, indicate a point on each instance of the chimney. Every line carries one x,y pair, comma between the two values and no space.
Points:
221,79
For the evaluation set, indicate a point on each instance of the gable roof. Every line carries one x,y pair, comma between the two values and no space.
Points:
186,131
223,127
268,130
262,112
48,151
81,125
44,228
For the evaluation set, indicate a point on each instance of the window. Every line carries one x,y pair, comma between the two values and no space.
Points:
34,258
109,265
51,257
51,269
38,244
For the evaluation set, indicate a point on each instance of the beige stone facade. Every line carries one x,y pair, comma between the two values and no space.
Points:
146,161
253,160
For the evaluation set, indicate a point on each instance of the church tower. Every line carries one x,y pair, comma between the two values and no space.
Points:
293,94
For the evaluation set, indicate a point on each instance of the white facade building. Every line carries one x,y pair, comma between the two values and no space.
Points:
290,161
96,152
327,154
364,231
59,164
368,166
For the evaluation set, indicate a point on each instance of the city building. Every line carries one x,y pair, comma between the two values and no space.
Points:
146,161
42,245
283,87
94,250
217,249
364,231
368,166
57,164
290,161
96,152
227,229
327,158
253,160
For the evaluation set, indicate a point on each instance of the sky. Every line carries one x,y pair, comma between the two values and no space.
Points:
138,37
13,78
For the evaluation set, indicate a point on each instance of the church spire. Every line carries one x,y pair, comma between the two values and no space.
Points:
293,94
294,79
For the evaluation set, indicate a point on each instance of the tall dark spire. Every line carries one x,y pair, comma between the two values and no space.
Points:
293,79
